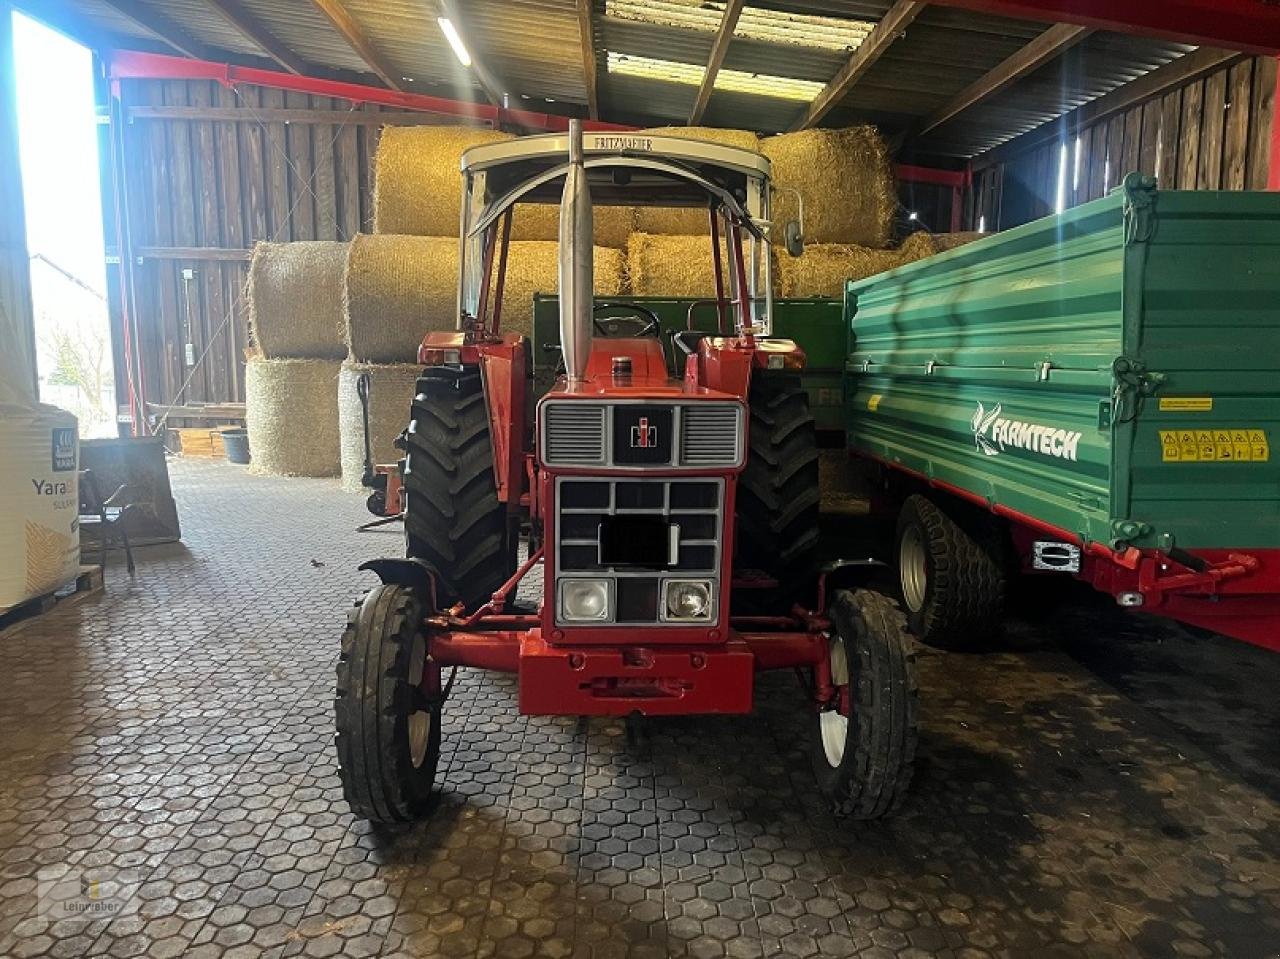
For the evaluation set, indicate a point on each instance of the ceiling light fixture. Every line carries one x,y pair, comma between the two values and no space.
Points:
455,40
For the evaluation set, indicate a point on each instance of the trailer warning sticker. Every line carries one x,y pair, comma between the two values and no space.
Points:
1214,446
1186,404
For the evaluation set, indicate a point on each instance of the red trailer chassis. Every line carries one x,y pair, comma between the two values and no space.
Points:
1233,592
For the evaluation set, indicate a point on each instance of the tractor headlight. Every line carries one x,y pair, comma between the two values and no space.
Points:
687,600
584,600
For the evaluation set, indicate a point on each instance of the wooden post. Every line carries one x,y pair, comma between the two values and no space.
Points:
18,354
1273,177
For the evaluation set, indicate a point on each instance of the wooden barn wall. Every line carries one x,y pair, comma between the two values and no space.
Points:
1210,134
207,172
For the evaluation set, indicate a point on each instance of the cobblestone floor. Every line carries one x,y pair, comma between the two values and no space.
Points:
1099,786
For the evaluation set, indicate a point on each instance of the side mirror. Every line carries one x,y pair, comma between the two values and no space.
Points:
793,238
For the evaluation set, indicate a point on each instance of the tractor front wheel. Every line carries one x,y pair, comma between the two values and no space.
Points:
388,733
864,743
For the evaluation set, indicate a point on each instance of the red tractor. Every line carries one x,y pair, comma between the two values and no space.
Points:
671,498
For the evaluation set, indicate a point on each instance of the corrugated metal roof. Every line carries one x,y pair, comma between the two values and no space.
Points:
532,49
302,28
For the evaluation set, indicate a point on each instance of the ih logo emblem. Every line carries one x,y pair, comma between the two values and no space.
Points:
993,434
643,435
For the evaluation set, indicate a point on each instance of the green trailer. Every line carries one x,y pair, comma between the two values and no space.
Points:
1096,393
817,325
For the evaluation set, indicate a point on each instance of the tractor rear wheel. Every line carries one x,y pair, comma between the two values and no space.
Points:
388,737
452,516
952,579
777,505
863,746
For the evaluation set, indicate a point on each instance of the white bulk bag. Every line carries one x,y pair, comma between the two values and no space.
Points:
39,501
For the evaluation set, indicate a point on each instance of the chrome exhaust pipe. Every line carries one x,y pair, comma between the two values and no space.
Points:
575,264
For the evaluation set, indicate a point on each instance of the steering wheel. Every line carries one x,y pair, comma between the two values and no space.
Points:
643,317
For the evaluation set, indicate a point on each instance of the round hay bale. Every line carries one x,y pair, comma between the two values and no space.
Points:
418,189
676,266
689,221
845,178
291,408
918,245
533,267
391,389
295,299
541,221
949,241
418,177
824,268
397,289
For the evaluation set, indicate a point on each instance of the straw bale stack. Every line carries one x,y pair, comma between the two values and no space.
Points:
533,267
541,221
949,241
418,178
397,289
391,390
690,222
295,299
918,245
846,179
419,189
292,414
400,287
824,267
677,266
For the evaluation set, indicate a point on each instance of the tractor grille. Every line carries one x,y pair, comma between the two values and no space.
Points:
710,435
695,507
575,434
639,435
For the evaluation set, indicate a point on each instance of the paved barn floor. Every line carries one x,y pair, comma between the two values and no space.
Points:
1098,787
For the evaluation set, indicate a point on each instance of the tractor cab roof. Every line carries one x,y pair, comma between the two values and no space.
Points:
623,169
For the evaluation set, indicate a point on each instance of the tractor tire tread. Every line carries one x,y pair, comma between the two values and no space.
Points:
453,517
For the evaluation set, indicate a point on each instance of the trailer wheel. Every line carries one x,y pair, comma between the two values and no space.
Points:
864,746
778,492
388,739
952,583
452,516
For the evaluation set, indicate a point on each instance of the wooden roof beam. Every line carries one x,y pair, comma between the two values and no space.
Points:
1047,46
587,40
346,25
897,19
243,21
164,28
719,47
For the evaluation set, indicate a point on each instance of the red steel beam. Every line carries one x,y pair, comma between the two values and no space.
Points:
126,64
956,179
1251,26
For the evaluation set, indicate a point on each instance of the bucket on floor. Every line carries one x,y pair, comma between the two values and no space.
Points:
236,444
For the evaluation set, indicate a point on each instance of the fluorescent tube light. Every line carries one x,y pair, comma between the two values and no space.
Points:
451,34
